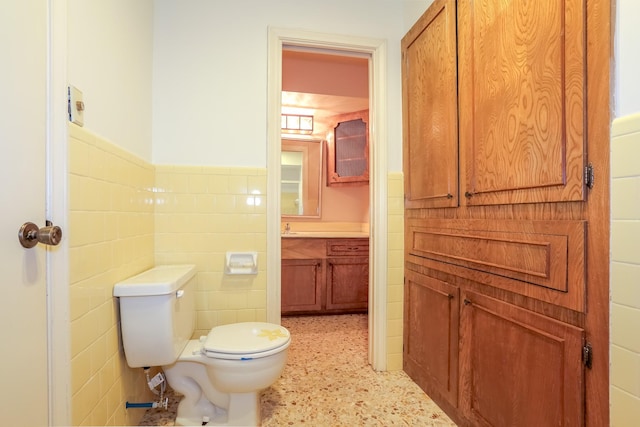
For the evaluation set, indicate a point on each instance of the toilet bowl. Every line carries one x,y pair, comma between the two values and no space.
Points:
221,374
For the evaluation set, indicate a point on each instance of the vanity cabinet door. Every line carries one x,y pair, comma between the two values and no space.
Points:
348,149
430,109
302,284
347,283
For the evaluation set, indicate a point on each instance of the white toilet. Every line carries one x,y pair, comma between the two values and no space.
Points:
221,374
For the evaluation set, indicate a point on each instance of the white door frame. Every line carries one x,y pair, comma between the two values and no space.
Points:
377,49
57,258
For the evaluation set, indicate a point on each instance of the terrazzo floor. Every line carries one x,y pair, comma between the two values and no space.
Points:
328,383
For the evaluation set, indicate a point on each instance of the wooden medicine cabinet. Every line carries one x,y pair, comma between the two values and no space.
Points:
348,149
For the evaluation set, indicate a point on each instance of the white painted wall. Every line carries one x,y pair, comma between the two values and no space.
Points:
210,72
110,47
412,10
207,60
627,60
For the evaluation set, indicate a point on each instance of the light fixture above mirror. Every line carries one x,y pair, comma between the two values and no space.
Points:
296,123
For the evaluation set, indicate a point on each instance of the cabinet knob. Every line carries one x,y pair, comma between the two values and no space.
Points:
466,301
468,194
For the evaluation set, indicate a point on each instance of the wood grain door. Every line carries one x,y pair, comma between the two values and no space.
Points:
431,335
301,285
347,283
430,111
522,100
518,368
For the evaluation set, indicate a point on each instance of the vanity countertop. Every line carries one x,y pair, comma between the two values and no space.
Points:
325,234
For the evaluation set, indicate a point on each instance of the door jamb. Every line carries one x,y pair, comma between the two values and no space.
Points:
377,49
56,208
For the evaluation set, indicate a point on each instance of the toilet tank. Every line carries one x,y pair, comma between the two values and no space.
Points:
157,314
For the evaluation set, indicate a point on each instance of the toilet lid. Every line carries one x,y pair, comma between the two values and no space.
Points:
245,340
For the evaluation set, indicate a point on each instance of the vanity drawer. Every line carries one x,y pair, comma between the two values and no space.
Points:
301,248
347,247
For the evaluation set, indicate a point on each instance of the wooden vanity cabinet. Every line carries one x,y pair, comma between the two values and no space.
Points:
324,276
347,283
302,285
348,149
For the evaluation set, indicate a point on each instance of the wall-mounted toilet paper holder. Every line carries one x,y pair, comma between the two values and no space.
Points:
241,263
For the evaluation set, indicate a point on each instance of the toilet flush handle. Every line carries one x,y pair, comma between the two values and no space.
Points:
179,293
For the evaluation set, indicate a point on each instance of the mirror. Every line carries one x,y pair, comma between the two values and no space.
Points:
301,170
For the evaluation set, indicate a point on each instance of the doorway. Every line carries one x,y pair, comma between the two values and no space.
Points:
376,49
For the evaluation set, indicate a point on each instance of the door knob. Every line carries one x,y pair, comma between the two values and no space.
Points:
30,235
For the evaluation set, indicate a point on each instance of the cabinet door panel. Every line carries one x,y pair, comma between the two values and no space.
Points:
301,285
347,283
522,103
518,368
431,335
430,109
348,149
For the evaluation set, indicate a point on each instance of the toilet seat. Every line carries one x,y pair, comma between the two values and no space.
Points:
244,341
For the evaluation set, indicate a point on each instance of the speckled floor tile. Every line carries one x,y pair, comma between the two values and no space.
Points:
328,382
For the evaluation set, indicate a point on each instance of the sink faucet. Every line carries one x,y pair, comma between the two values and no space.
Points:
287,228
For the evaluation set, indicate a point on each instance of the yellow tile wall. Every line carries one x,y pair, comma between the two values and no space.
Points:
110,234
395,269
625,270
203,212
127,215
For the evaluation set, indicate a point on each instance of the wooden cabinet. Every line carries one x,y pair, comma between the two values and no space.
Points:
430,113
431,335
519,73
347,283
302,285
348,149
522,100
502,311
519,368
324,276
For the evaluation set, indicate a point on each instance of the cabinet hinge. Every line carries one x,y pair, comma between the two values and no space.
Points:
587,355
589,177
